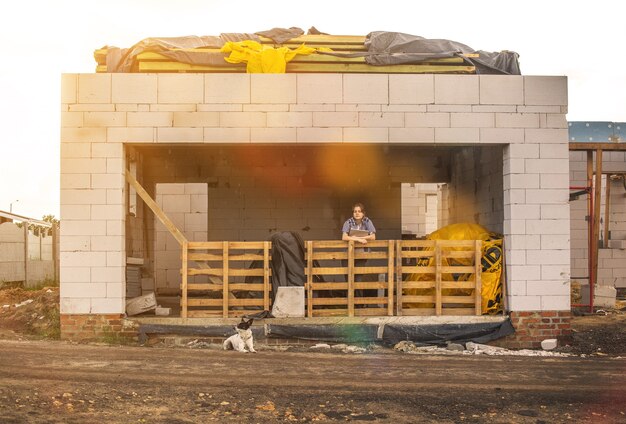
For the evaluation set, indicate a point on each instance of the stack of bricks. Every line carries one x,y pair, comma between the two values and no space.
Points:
106,327
532,327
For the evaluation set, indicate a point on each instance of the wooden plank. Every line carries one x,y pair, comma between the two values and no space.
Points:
309,278
317,301
205,245
370,269
369,312
372,301
478,249
330,312
204,286
460,299
208,271
407,270
456,269
391,249
329,286
458,311
266,276
225,273
419,299
194,301
419,284
371,285
205,257
419,312
459,254
371,255
205,314
329,244
158,212
247,287
417,254
443,244
246,245
364,68
425,244
398,278
329,255
330,271
351,278
183,288
607,208
438,278
607,147
466,285
597,191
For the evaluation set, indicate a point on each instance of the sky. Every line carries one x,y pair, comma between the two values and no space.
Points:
43,39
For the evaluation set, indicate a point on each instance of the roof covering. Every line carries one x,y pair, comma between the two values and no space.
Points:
377,52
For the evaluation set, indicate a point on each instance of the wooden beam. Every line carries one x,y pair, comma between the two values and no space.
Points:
607,147
596,215
158,212
183,287
478,298
350,278
438,278
607,209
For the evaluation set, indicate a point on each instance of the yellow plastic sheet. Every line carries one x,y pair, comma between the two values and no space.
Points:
261,59
491,264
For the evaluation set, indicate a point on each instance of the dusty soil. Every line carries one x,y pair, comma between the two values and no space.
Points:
600,334
47,381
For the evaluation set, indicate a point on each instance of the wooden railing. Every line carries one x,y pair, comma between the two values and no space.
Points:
388,277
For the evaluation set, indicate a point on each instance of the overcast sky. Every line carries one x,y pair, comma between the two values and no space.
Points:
43,39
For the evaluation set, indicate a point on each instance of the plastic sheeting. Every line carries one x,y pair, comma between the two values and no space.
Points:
396,48
431,334
383,48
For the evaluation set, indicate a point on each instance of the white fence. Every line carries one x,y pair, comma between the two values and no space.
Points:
41,252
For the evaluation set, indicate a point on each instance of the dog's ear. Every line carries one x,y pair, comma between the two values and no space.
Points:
244,325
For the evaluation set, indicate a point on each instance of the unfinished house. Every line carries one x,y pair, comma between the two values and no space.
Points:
189,168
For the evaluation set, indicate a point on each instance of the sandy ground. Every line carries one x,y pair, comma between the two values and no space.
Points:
43,380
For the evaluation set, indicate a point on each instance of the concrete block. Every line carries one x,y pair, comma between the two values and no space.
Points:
514,226
273,88
545,90
243,119
82,290
72,119
517,120
380,120
75,243
516,287
412,135
548,257
319,135
524,303
365,89
457,135
102,305
150,119
556,303
166,135
108,275
227,135
411,89
71,181
548,288
547,166
426,120
289,119
319,88
358,108
555,241
501,89
365,135
545,135
268,108
69,274
520,212
273,135
472,120
457,89
523,272
554,151
312,107
94,88
83,228
114,228
547,226
521,181
107,243
134,88
289,302
73,212
83,135
104,119
107,150
555,120
74,306
180,88
227,88
617,244
501,135
524,242
163,312
69,87
552,181
107,180
522,151
335,119
196,119
83,197
555,272
91,107
132,135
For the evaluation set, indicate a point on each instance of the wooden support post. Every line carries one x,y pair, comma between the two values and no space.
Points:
607,210
590,243
309,278
399,281
266,276
390,276
55,252
438,305
596,222
184,275
478,298
350,278
225,290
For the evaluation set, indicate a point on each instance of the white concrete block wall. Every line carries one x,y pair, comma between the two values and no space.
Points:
523,113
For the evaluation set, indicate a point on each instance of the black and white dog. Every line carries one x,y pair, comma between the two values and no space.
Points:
241,341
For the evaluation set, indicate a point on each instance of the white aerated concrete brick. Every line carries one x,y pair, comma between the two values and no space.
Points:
180,88
501,90
365,89
411,89
316,88
133,88
272,88
456,89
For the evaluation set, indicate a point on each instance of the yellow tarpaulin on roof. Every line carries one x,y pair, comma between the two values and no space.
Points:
262,59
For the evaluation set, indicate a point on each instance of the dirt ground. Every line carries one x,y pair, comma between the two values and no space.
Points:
600,334
48,381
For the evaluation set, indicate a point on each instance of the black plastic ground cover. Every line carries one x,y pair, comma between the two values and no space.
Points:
420,334
431,334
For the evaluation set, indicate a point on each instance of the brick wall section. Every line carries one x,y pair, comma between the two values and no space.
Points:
79,327
531,327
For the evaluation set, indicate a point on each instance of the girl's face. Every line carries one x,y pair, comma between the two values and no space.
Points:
357,213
